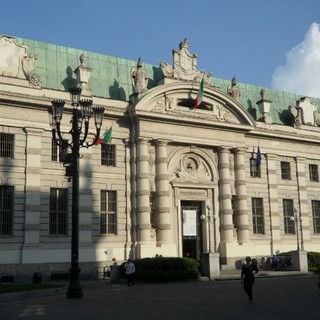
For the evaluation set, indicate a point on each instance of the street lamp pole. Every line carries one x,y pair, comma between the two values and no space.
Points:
296,219
209,219
71,160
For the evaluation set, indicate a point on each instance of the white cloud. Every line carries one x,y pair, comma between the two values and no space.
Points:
301,74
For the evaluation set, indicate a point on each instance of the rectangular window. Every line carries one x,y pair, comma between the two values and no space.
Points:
152,208
58,211
313,172
288,215
6,210
6,145
285,170
54,150
58,152
108,215
257,215
316,216
108,155
255,170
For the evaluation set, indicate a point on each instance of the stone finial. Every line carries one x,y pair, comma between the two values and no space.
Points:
83,60
83,73
264,107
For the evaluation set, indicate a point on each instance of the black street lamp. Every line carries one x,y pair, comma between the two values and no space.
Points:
71,161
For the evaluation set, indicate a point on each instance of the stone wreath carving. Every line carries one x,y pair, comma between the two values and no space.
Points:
191,167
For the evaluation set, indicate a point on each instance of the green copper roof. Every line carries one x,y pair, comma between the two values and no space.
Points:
111,78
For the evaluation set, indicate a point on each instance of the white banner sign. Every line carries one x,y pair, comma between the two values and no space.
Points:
189,220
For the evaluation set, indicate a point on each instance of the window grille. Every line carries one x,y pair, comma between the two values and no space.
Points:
313,172
288,213
58,211
108,155
152,208
316,216
285,170
6,210
255,170
257,215
108,214
6,145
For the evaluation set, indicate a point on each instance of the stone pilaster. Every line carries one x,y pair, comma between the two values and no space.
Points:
302,207
32,187
241,197
273,200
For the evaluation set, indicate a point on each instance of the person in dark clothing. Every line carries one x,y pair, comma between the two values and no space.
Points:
275,263
130,270
247,277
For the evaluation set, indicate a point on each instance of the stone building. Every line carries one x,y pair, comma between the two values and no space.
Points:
238,174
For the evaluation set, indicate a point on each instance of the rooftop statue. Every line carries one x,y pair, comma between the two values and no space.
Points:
139,77
234,90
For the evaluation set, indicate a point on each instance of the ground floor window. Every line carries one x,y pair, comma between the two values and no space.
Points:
6,210
288,214
58,211
316,216
257,215
108,214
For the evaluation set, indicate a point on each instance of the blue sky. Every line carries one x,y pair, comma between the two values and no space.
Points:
273,43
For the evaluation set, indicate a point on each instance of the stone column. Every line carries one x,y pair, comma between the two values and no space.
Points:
162,195
32,194
241,196
225,196
143,193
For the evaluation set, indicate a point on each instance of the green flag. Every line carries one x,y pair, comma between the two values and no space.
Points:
107,136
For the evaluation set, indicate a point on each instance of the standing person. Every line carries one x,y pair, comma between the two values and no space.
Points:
275,263
129,269
247,277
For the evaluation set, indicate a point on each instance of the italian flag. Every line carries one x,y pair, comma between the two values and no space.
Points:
106,137
199,96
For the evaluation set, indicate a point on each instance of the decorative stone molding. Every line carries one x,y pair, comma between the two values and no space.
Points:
305,112
192,167
169,104
184,65
17,63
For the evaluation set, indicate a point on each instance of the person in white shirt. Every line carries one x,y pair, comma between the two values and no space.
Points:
129,269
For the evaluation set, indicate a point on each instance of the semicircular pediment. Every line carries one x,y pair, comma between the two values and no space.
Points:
176,99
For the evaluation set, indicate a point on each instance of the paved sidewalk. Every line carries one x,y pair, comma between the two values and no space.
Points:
235,274
275,297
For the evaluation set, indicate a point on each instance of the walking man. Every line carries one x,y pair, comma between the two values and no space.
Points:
130,269
247,277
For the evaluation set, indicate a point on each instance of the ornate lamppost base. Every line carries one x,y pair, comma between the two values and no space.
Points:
74,289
